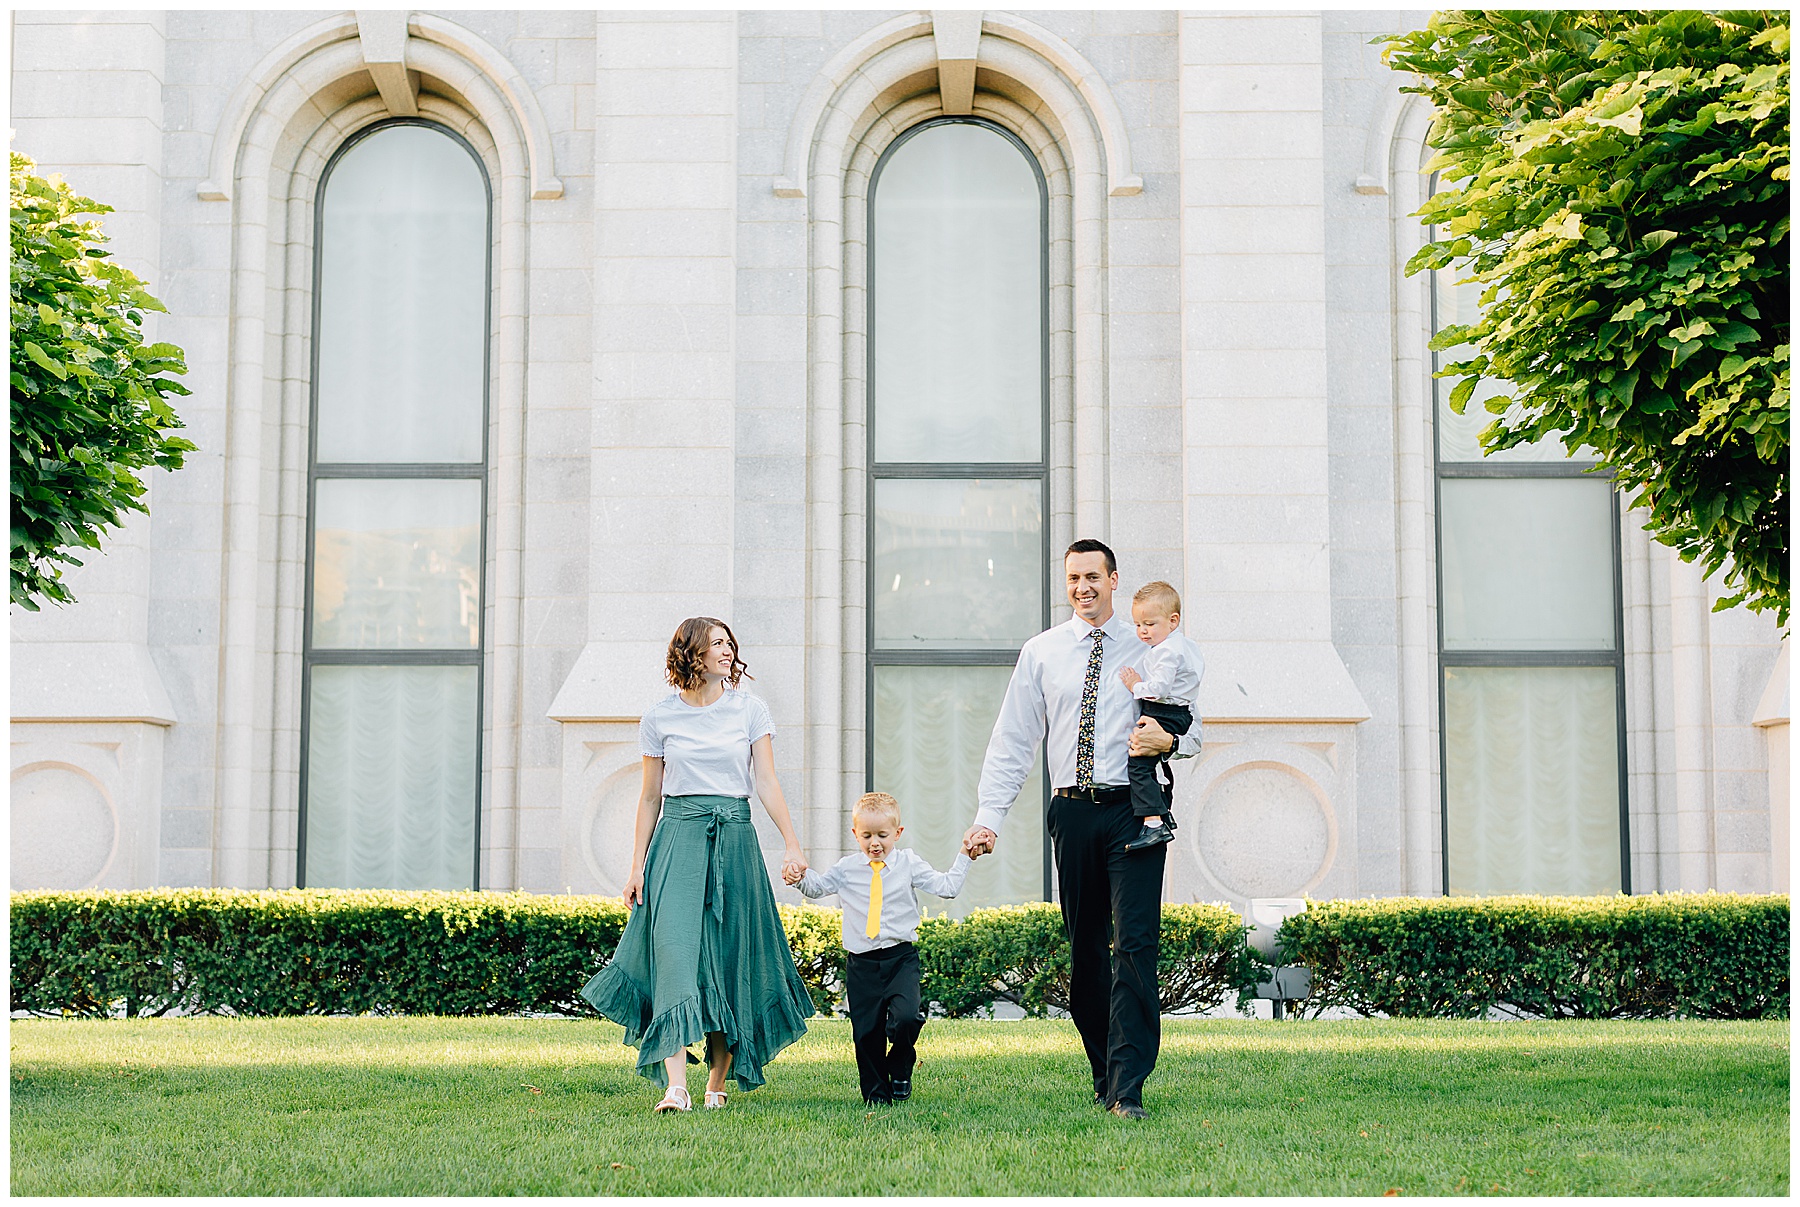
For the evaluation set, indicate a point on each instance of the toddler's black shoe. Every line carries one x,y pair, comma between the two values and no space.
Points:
900,1088
1149,836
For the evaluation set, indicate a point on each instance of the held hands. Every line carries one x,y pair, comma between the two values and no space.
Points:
793,866
1130,678
978,841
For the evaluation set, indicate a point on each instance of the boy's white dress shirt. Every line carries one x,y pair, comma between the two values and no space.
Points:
1045,692
850,878
1170,671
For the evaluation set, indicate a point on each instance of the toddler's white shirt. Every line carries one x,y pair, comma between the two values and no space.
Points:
1170,671
851,879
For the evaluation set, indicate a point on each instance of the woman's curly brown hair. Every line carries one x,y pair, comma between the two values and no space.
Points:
688,647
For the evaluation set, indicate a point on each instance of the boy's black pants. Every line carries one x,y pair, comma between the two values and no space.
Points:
883,989
1149,797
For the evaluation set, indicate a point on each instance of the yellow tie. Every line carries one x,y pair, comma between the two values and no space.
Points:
874,928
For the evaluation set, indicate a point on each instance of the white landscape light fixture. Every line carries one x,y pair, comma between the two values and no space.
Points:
1286,983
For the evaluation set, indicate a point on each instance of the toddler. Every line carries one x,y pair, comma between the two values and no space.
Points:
881,920
1165,689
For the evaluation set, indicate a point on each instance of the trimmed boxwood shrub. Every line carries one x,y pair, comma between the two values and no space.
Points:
220,951
318,951
306,951
1019,954
1661,955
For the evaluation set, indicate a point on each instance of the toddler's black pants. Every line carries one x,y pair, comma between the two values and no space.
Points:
885,1017
1149,797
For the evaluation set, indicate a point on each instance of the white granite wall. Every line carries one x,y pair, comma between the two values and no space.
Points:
1255,337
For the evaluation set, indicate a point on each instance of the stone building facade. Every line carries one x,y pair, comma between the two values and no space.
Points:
676,413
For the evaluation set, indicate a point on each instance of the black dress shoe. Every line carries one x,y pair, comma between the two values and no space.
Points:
901,1088
1149,836
1099,1098
1129,1110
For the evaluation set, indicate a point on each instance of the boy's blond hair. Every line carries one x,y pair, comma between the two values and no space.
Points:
1161,595
876,804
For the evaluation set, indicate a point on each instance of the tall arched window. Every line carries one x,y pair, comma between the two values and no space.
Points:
1530,640
958,478
397,500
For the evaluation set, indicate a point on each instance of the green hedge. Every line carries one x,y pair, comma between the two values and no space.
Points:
1019,954
213,951
306,951
1703,955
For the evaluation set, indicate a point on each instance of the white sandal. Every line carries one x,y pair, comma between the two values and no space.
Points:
715,1100
676,1099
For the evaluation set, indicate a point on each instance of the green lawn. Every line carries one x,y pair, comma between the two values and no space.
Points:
513,1106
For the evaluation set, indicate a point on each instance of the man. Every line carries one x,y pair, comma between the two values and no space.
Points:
1067,680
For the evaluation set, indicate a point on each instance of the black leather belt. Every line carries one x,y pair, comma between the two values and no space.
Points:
1100,794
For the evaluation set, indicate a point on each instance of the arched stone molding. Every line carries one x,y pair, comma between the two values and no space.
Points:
1399,145
251,95
890,89
1398,124
804,134
323,96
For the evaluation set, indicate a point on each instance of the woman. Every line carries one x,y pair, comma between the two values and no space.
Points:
703,953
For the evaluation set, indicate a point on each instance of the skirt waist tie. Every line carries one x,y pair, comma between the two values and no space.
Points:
715,811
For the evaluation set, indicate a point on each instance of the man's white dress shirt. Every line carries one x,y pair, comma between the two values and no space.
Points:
1046,692
850,878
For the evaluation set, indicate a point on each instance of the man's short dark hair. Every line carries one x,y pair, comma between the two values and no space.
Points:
1091,546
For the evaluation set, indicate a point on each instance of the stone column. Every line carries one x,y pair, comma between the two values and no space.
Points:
660,526
89,709
1275,791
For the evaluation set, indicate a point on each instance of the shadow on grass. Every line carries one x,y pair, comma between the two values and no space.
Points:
509,1106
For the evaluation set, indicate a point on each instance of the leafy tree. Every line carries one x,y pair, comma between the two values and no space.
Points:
1621,196
88,394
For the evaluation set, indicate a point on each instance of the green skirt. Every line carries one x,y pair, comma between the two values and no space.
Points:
704,951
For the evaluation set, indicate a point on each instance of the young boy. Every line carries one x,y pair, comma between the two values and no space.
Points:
1165,690
881,920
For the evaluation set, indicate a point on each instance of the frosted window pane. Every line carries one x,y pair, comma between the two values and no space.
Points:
1531,780
391,777
957,295
930,728
397,564
1459,435
1527,564
403,249
958,564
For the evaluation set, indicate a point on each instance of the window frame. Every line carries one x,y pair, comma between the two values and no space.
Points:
1038,470
388,471
1521,658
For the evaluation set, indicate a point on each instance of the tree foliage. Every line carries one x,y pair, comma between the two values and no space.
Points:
89,408
1621,197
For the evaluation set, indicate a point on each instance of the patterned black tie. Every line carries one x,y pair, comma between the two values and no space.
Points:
1090,704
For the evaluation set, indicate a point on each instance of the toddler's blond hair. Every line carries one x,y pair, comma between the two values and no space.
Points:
876,804
1161,595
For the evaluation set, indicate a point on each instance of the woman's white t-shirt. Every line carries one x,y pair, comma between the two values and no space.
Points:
705,751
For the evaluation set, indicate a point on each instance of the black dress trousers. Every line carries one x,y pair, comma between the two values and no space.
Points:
1106,891
1150,797
885,1019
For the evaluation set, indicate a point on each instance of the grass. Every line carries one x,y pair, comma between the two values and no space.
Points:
368,1106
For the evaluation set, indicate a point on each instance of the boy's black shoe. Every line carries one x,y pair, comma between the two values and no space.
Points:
1149,836
900,1088
878,1100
